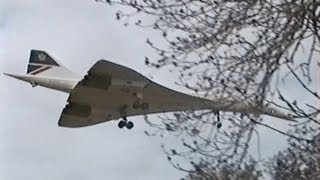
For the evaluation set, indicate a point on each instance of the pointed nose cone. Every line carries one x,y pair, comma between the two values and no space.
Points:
278,114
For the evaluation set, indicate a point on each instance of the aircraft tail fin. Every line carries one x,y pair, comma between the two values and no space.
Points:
40,61
43,64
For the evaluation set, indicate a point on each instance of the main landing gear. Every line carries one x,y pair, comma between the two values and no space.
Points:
125,123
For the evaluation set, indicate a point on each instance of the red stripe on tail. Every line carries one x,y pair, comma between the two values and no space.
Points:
37,71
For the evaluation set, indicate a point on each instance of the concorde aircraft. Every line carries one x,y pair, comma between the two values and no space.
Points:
111,91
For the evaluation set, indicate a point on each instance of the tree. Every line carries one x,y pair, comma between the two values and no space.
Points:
300,160
233,49
226,171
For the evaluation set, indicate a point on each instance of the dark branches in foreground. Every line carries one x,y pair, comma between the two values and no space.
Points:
234,49
247,171
301,160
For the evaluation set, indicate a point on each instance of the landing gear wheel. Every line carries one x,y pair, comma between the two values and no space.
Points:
129,125
122,124
219,125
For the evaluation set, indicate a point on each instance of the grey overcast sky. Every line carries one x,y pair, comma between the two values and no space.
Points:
32,146
77,33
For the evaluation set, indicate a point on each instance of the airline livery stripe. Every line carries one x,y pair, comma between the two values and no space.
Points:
35,72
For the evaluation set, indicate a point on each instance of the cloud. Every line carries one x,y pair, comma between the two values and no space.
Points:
77,33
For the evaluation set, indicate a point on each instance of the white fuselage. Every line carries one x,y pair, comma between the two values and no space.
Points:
67,85
60,84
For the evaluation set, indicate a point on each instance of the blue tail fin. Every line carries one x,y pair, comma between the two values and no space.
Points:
40,60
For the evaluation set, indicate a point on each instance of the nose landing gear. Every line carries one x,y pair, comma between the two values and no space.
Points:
219,125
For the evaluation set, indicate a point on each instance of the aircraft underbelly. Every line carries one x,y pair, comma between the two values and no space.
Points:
109,92
60,85
116,97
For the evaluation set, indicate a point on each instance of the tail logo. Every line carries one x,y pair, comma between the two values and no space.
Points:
42,57
39,62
